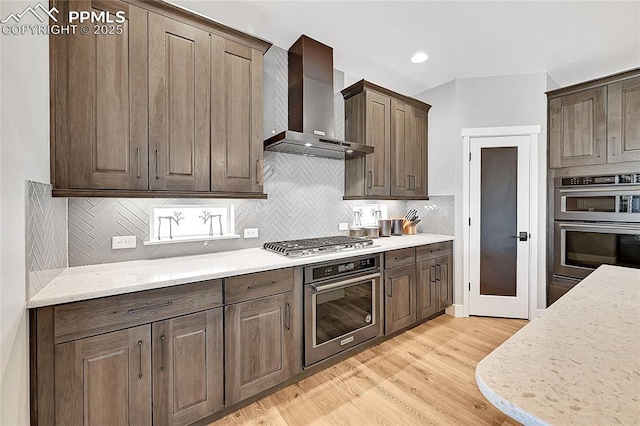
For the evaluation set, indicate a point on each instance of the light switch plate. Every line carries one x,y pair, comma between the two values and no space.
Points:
251,232
343,226
127,241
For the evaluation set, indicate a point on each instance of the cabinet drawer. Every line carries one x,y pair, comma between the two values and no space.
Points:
395,258
261,284
91,317
432,251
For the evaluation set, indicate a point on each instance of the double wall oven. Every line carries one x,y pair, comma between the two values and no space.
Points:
597,221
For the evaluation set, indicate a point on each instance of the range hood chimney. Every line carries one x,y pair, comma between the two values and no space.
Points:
311,126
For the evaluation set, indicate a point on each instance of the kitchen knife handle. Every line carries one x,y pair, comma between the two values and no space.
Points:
162,353
288,310
140,359
157,177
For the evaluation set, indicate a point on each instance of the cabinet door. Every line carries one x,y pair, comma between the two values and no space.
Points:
444,278
105,94
418,150
624,120
378,135
105,380
401,149
261,341
187,368
400,298
179,78
577,129
236,116
427,287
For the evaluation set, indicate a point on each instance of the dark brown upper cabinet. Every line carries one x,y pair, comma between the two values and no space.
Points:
396,126
597,122
236,117
172,107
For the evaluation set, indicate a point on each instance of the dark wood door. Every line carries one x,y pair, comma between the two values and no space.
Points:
105,380
236,116
179,96
418,150
623,120
578,129
378,135
427,287
100,110
401,149
400,298
444,279
260,346
187,368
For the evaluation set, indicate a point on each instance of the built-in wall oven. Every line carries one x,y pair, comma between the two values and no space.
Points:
342,305
597,221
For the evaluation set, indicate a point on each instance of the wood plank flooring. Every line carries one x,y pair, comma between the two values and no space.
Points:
424,376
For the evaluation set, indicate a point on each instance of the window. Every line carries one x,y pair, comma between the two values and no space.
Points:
172,224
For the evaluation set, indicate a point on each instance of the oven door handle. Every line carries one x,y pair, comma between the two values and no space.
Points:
564,225
319,288
612,189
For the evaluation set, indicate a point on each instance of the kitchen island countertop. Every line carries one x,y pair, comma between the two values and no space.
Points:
109,279
578,362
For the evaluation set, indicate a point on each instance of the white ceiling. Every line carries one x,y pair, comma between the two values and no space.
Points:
572,40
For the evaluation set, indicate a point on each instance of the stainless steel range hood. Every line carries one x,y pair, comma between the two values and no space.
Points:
311,130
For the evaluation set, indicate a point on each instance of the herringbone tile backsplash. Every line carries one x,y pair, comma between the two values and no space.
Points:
305,200
46,236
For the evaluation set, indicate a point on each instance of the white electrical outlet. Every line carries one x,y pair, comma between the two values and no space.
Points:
251,233
343,226
128,241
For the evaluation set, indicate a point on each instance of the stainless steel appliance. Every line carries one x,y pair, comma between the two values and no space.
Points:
311,127
313,246
613,198
342,306
597,221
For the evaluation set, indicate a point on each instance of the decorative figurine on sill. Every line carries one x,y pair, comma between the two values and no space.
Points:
208,216
177,217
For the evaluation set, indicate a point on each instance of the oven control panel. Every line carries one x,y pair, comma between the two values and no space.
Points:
339,268
621,179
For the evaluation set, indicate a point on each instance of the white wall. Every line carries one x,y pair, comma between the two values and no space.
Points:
509,100
24,143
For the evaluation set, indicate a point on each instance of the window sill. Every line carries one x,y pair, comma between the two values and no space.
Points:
191,239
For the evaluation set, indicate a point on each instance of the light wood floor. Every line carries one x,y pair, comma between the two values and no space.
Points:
424,376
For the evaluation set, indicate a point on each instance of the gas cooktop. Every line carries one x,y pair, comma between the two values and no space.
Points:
312,246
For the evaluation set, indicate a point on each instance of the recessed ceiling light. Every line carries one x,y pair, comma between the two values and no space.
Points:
349,151
308,144
419,58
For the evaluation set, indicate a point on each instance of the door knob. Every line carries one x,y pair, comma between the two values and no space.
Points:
522,236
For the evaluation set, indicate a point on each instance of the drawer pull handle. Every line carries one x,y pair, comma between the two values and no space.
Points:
433,274
253,287
149,308
288,309
140,359
138,162
401,257
439,272
157,177
162,353
390,293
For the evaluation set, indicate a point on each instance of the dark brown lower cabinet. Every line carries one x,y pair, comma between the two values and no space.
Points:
444,281
187,368
104,380
400,293
427,289
262,345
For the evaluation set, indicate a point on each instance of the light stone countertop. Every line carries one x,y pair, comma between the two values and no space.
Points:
578,362
90,282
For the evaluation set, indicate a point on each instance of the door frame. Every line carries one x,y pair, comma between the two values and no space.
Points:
467,136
